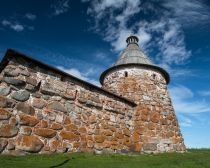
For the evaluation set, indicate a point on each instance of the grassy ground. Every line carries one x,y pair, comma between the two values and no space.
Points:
194,158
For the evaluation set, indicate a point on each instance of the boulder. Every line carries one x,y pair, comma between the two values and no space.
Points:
71,127
13,120
25,130
8,130
11,144
56,126
30,87
29,143
21,95
25,108
136,137
69,96
28,120
68,135
38,103
59,118
137,147
99,138
70,106
107,132
14,81
126,132
54,145
43,124
82,130
155,117
150,147
3,144
45,132
92,119
31,81
11,73
6,103
4,114
57,106
47,88
4,91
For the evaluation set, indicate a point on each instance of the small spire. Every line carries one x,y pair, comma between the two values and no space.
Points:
132,39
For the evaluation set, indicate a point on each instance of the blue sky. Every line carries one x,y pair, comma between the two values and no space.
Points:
85,37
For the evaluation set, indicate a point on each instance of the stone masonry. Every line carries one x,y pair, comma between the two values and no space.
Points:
45,110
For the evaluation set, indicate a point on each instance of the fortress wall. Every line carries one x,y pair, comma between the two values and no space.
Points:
42,111
156,127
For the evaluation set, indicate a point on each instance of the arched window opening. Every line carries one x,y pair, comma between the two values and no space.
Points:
126,74
154,76
62,78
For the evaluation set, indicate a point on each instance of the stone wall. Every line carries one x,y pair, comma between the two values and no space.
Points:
46,111
156,128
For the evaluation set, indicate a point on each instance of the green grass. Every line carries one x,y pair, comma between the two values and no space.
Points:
194,158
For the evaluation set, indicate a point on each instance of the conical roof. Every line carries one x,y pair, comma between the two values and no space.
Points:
133,53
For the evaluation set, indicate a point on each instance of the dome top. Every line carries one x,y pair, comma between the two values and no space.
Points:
133,53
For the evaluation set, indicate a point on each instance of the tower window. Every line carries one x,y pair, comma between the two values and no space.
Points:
62,78
154,76
126,74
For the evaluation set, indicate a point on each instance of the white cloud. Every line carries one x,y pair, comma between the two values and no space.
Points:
78,74
102,56
184,101
60,7
186,122
6,23
30,16
169,42
17,27
116,19
188,12
114,27
204,93
13,25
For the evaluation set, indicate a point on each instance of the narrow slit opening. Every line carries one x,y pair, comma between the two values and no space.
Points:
126,74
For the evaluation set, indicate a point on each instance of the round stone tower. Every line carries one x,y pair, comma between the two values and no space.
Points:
136,77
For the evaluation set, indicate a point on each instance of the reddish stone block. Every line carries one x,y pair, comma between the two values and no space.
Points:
28,120
67,120
99,138
155,117
44,123
56,126
68,135
119,135
126,132
29,143
71,127
44,132
87,150
107,132
54,145
92,119
25,130
8,130
151,126
13,121
82,130
135,137
137,147
38,103
25,108
4,114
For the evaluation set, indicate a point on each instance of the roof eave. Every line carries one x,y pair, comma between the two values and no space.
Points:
10,53
161,70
